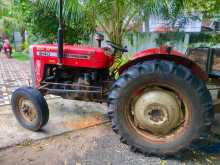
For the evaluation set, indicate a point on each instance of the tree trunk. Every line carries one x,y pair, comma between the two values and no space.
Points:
23,38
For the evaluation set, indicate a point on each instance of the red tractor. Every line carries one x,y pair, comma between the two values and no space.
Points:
159,104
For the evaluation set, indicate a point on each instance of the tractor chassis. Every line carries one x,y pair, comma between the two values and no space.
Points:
77,91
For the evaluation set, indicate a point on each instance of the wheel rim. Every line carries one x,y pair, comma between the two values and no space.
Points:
157,111
158,120
27,110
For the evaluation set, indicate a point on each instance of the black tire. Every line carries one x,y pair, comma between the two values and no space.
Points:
162,72
40,108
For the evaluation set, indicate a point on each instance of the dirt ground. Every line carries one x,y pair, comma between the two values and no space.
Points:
91,146
78,145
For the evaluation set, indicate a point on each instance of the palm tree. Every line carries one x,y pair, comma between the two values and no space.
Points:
117,17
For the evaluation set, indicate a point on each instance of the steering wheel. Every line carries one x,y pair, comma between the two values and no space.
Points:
117,47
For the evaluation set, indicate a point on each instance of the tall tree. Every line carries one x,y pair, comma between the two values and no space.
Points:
117,17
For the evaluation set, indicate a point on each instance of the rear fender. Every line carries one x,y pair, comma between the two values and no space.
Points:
174,56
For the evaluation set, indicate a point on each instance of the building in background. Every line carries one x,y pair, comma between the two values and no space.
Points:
186,24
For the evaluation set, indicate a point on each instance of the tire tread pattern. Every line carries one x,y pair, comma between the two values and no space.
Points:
182,73
36,97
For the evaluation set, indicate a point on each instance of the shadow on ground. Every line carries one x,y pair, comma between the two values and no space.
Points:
207,151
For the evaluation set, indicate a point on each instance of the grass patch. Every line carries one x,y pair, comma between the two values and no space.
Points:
20,56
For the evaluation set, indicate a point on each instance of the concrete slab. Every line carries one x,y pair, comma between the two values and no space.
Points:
65,116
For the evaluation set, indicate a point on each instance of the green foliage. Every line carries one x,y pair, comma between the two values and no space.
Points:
42,23
118,63
204,39
118,17
20,56
208,8
169,38
6,22
8,30
4,6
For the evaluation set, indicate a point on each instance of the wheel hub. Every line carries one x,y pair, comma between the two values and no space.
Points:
157,111
156,114
28,110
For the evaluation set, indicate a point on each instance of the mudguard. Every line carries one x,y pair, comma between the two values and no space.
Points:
165,54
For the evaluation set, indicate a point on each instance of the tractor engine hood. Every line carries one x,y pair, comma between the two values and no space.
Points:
69,50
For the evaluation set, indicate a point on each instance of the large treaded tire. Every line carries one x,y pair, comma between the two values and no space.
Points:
39,103
162,71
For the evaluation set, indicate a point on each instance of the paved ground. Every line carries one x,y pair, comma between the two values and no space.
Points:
93,146
13,74
65,141
65,116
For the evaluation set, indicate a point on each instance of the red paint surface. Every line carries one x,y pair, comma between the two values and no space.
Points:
161,53
97,58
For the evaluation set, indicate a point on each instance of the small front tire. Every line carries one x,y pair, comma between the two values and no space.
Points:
30,108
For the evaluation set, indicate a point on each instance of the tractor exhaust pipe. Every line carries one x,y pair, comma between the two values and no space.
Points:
60,33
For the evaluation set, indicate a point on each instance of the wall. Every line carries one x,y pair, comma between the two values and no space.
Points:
140,41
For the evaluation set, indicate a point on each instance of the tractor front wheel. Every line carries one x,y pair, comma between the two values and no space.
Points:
160,108
30,108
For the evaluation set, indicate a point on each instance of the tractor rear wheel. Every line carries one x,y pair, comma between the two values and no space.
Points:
30,108
160,108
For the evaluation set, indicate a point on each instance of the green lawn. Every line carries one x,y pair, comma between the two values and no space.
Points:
20,56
